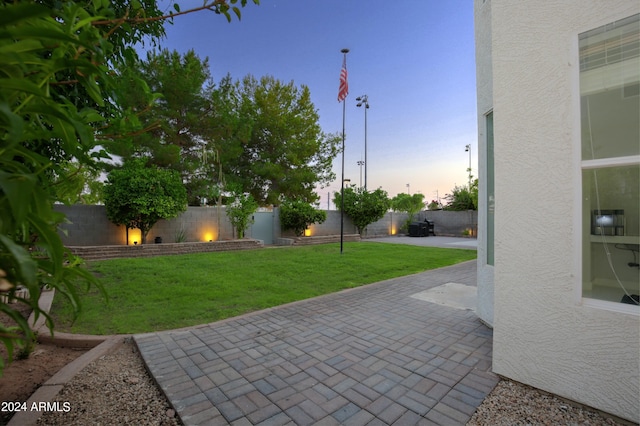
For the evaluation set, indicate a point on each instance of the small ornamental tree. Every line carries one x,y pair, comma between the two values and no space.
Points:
411,204
137,196
298,215
240,211
362,206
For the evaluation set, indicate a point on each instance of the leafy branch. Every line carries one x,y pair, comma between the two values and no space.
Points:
216,6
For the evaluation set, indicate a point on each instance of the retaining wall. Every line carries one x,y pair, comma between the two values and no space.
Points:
149,250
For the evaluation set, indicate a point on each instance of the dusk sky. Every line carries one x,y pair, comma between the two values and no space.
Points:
414,59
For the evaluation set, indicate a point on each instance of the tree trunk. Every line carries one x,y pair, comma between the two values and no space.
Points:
144,230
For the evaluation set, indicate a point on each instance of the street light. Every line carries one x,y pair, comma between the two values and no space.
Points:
408,189
468,149
360,163
364,100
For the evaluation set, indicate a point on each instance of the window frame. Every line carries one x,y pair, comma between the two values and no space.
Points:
579,215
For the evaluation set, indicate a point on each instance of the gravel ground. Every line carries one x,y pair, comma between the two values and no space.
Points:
514,404
116,389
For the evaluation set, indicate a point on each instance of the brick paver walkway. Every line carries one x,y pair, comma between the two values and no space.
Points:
371,355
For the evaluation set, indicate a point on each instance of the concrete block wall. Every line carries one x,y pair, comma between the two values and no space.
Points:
197,223
89,226
448,223
331,226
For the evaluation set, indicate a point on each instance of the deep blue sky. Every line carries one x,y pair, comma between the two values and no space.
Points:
413,58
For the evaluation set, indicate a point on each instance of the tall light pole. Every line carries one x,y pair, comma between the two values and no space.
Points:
360,163
364,101
408,189
468,149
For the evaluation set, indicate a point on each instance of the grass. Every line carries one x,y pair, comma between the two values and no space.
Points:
161,293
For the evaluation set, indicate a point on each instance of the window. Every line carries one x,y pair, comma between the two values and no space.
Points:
610,133
490,190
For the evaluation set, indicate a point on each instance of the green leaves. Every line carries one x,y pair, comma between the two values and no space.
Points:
21,12
239,210
285,153
463,198
362,206
411,204
298,215
138,196
266,131
59,96
55,86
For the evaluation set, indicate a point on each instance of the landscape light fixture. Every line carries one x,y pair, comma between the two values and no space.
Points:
364,101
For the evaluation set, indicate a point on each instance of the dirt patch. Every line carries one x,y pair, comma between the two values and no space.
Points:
21,378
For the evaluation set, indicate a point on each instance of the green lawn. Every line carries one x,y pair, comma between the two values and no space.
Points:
161,293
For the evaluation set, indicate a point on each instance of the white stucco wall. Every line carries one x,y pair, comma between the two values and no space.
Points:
544,336
484,83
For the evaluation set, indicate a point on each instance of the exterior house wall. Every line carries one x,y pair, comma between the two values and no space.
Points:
544,335
484,83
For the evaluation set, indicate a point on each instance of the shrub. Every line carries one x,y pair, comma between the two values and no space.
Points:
298,215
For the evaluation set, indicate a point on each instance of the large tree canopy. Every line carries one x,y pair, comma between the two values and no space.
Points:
286,154
177,121
261,134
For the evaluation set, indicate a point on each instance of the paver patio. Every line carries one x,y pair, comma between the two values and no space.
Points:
370,355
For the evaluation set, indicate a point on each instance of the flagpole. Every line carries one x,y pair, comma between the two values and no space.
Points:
344,110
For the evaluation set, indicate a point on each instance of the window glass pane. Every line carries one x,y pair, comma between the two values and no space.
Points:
610,90
610,132
490,191
611,230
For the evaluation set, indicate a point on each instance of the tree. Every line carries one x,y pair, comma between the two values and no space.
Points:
176,119
281,151
362,206
58,100
298,215
239,210
463,198
411,204
137,196
265,132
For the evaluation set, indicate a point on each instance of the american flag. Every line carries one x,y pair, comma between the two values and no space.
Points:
343,91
